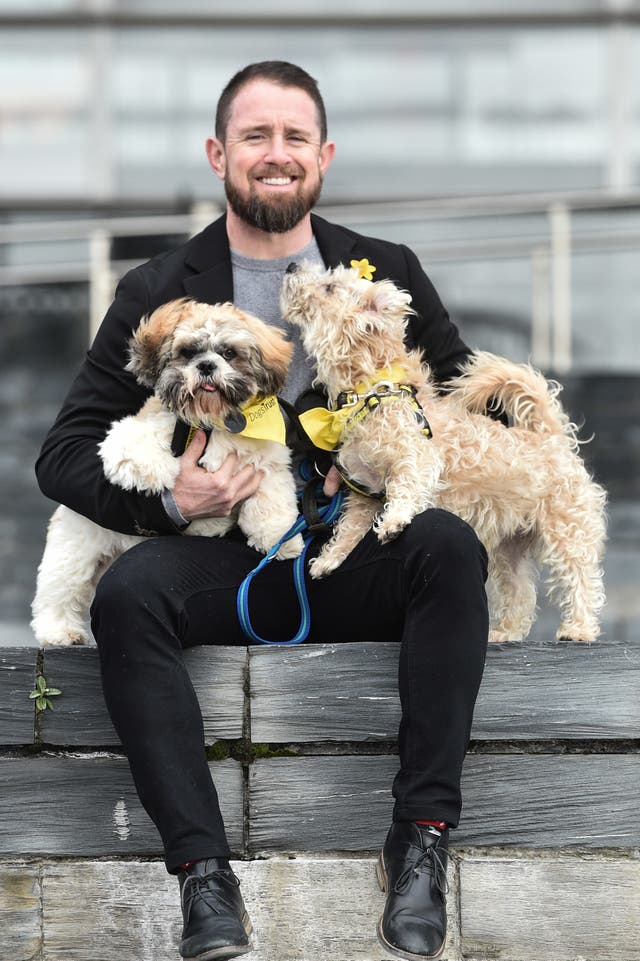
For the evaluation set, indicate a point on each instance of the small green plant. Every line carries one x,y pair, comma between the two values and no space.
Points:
42,694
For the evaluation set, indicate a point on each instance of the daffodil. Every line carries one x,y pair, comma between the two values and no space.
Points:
365,269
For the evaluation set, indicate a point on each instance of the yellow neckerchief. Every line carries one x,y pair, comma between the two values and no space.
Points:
260,418
325,427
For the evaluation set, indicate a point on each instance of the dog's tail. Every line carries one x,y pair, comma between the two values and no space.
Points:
489,382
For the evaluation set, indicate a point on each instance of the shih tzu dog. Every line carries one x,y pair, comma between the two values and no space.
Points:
524,489
213,367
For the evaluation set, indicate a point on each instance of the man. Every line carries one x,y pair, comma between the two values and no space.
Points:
425,588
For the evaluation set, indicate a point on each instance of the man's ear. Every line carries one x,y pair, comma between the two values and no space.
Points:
216,156
327,151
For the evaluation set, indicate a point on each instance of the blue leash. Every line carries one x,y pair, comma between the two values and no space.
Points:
328,514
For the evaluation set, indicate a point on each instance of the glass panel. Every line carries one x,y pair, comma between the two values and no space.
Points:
414,112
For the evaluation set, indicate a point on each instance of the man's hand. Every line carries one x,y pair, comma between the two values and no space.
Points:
332,482
199,493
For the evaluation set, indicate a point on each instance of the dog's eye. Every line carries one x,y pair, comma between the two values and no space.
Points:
228,353
328,288
188,353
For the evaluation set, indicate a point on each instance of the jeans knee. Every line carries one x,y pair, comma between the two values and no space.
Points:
447,539
131,590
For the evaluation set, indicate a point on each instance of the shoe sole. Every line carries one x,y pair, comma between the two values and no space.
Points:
227,951
383,884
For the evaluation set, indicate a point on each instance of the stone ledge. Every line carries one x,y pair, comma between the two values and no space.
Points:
520,907
86,805
337,693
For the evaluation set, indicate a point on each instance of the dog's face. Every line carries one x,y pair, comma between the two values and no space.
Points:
350,326
204,361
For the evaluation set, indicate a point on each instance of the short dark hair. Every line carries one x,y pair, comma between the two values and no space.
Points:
277,71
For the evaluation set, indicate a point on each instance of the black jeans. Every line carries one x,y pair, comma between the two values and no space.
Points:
425,588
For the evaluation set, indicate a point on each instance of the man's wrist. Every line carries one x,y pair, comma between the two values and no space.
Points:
173,511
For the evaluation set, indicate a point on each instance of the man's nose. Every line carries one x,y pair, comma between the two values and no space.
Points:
277,150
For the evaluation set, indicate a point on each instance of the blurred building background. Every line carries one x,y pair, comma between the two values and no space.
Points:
498,138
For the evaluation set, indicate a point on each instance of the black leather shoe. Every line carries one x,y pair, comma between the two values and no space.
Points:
412,871
216,924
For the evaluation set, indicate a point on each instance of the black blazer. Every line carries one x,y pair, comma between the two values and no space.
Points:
69,470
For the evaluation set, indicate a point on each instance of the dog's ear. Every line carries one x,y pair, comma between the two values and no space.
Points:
151,341
386,297
273,353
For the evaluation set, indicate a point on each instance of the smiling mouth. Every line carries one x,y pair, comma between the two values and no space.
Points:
210,387
276,181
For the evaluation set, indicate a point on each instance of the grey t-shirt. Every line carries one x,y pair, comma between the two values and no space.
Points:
256,289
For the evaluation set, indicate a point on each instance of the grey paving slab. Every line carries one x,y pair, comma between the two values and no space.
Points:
344,692
17,711
20,912
87,806
325,803
80,715
550,910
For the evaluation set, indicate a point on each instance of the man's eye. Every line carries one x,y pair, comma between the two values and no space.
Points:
188,353
228,353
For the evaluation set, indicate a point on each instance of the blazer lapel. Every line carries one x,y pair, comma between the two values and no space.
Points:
335,246
208,257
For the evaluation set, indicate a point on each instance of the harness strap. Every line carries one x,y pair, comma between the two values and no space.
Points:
182,434
327,515
311,512
357,488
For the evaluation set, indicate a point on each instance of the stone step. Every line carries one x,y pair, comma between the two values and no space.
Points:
302,748
530,907
341,692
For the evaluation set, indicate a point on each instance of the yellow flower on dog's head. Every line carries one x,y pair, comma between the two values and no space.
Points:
365,269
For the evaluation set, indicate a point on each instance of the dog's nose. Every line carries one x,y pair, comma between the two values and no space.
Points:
206,367
292,268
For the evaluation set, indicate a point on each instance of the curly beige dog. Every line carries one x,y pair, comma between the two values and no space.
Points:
524,489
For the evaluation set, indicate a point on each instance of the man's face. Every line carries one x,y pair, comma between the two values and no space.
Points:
272,160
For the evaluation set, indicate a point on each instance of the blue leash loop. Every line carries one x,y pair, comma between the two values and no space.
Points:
328,514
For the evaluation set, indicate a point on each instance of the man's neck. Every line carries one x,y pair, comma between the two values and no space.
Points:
252,242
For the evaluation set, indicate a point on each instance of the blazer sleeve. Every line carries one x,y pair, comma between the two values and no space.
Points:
69,469
432,329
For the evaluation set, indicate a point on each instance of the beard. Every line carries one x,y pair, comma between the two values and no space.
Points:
276,215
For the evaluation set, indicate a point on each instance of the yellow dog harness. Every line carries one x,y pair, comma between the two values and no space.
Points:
326,427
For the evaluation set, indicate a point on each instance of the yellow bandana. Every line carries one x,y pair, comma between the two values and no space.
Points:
325,427
260,418
263,420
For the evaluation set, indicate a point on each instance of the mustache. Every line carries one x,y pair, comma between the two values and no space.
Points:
289,170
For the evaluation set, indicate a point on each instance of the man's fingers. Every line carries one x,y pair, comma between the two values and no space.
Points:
200,493
245,483
196,447
229,468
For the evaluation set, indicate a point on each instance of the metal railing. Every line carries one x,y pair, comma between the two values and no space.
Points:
549,249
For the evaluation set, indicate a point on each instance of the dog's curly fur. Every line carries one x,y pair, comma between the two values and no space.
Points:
202,362
524,489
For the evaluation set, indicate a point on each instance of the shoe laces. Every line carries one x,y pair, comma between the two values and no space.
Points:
197,887
428,862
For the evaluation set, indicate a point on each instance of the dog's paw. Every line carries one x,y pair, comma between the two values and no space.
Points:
498,635
323,566
389,525
577,632
291,548
60,636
